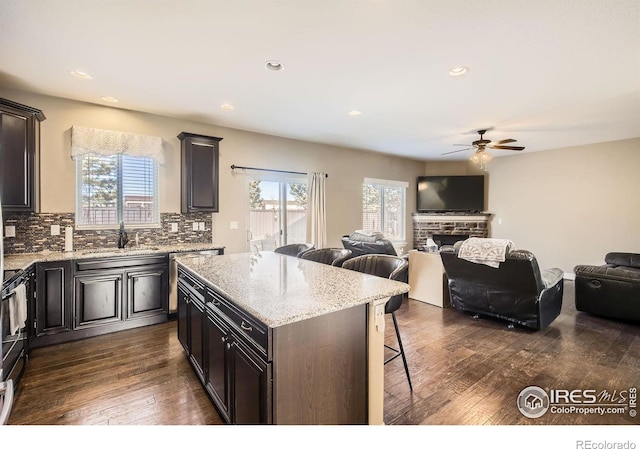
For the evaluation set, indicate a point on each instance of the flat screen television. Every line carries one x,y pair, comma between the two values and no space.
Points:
451,193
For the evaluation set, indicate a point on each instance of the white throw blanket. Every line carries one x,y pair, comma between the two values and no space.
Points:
485,251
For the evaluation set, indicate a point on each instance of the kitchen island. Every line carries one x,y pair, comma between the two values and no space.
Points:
277,339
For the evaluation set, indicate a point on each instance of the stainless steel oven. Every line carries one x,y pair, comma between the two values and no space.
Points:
16,289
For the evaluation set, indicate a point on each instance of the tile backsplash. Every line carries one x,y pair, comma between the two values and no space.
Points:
33,232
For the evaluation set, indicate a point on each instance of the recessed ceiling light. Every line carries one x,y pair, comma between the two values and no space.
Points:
274,66
110,99
80,74
457,71
354,112
227,106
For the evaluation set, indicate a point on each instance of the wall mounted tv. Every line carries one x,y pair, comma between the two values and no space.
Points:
451,193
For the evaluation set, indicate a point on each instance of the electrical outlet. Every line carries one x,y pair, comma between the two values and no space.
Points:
201,226
174,227
195,225
9,231
55,229
233,225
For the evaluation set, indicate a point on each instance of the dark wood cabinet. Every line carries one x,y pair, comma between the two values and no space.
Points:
217,367
228,351
98,300
53,305
251,385
147,291
199,172
87,297
19,154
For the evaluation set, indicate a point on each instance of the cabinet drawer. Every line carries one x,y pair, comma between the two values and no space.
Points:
191,282
119,262
248,326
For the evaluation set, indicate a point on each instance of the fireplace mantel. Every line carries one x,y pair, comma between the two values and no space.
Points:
427,225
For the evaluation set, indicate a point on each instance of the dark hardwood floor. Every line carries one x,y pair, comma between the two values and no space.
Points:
465,371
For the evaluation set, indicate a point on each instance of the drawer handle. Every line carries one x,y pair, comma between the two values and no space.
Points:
596,283
215,302
245,327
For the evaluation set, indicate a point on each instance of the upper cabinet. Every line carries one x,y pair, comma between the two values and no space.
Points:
19,156
199,172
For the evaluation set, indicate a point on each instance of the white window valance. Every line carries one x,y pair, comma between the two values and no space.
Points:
107,143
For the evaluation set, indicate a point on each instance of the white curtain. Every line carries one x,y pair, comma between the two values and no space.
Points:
317,212
107,143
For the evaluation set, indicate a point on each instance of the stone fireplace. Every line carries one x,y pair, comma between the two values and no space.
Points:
446,229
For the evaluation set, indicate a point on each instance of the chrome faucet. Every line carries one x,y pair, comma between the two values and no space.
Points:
122,236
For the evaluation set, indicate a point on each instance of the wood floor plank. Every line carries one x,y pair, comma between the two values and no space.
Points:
464,371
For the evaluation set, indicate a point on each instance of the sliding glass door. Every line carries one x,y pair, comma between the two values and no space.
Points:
277,213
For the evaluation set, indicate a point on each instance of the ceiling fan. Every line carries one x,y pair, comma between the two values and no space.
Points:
483,144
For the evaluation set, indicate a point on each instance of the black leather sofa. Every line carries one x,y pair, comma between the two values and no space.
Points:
517,291
611,290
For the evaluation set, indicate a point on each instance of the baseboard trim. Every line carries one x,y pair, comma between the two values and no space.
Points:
569,276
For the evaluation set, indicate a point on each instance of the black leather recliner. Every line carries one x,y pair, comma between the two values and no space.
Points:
611,290
517,291
361,244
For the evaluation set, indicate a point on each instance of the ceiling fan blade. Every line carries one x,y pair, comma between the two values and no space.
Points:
500,142
456,151
506,147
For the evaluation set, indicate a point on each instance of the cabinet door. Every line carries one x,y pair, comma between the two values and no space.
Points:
147,292
195,326
199,173
183,321
98,300
217,367
53,302
251,386
19,139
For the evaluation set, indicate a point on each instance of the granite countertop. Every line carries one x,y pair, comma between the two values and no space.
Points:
24,260
278,289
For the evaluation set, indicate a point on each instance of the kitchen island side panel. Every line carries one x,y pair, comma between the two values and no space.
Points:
320,369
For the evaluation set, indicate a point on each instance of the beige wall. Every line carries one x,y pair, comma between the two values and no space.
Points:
569,206
346,168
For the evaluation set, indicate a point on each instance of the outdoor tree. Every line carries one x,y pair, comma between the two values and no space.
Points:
255,196
299,193
99,181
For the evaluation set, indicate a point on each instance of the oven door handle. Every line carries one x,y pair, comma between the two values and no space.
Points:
6,390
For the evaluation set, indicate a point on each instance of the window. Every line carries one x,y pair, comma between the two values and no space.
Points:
277,212
384,207
114,189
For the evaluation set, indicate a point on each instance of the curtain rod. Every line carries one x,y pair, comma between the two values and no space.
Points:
233,167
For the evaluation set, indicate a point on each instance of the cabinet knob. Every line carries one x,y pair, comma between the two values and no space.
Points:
224,339
228,345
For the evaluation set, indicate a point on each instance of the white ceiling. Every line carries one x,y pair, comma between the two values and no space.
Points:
549,73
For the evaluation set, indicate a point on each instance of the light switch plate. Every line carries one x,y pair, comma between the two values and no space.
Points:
195,225
233,225
201,226
55,229
174,227
9,231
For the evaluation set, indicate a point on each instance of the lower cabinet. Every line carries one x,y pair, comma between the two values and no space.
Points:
233,368
53,305
87,297
313,371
